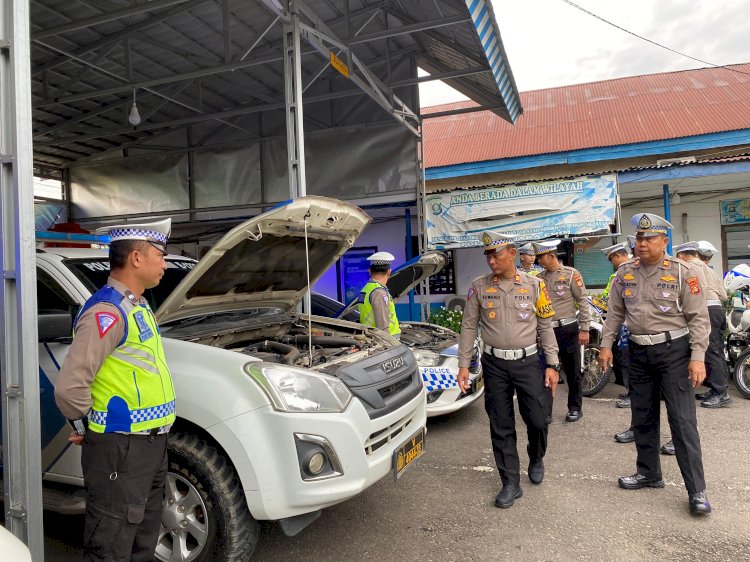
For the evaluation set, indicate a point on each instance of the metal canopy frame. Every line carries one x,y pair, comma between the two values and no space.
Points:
19,363
215,65
205,74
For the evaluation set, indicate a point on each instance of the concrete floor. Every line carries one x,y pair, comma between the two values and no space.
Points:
442,509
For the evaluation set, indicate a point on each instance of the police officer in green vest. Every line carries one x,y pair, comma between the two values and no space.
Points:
375,304
116,391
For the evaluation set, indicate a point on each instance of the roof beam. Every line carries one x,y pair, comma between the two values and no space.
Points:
197,118
115,37
142,84
319,34
105,17
407,29
440,76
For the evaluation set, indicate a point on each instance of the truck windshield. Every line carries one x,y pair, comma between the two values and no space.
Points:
94,273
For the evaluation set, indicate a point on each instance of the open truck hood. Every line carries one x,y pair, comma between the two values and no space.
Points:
408,275
262,262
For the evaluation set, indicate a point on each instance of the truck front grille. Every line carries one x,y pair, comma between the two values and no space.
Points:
380,438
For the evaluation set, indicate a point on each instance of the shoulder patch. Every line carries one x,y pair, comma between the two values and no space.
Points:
104,322
694,284
577,278
472,292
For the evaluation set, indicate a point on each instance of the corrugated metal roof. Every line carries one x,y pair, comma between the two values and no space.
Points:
718,160
609,113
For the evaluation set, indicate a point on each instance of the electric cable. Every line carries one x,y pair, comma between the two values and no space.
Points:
593,15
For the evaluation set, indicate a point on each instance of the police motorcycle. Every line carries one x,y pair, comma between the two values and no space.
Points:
593,378
737,281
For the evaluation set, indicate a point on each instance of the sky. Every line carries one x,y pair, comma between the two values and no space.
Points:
550,43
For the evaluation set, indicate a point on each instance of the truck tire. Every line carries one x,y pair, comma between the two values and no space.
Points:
205,518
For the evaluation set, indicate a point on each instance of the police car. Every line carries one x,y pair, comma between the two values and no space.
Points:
279,415
435,347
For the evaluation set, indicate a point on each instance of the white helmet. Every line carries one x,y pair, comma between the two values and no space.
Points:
738,278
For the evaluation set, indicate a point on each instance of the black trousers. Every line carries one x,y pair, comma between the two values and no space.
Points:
717,373
570,357
621,365
503,378
657,370
124,476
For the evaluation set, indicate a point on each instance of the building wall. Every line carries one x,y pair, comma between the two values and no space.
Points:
387,235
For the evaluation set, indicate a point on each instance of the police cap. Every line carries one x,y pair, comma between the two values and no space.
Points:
648,224
157,232
493,242
381,258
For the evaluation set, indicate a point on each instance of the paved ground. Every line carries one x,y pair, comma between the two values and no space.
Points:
443,510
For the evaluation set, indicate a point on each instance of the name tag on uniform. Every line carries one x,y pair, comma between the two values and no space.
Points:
144,330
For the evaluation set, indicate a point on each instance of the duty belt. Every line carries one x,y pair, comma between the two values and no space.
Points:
713,303
647,339
563,322
510,354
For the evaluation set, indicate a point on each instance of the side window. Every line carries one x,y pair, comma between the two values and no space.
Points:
51,296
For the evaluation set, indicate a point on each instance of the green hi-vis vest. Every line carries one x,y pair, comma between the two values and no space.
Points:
366,314
133,389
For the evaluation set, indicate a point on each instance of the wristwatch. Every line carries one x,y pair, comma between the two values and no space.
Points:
80,425
557,367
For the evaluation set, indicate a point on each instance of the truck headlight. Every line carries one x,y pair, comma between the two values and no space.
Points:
296,390
426,358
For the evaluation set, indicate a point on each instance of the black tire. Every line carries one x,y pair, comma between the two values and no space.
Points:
742,373
593,380
205,512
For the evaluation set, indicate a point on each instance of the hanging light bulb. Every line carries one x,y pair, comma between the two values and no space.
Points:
134,118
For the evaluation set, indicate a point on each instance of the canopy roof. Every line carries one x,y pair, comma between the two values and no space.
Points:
210,73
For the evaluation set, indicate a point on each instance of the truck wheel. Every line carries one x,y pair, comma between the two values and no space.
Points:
205,515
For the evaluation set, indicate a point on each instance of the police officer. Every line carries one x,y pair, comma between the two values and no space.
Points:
663,301
375,304
116,391
513,309
566,289
618,254
717,374
528,257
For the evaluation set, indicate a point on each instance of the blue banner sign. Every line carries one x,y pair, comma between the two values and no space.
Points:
531,211
736,211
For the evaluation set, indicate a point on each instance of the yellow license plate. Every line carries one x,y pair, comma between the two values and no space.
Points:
406,454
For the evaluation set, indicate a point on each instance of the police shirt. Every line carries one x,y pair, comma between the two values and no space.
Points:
566,288
659,298
380,300
715,290
93,342
512,311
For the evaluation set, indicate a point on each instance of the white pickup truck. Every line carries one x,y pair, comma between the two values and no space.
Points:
279,415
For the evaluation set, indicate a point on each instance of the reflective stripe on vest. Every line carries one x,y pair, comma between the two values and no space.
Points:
133,390
366,312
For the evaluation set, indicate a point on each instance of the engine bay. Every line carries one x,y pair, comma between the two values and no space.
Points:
284,338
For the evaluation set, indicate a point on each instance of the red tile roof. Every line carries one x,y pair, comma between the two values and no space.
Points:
609,113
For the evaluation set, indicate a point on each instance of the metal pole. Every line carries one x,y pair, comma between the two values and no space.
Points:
19,362
667,216
295,134
407,218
